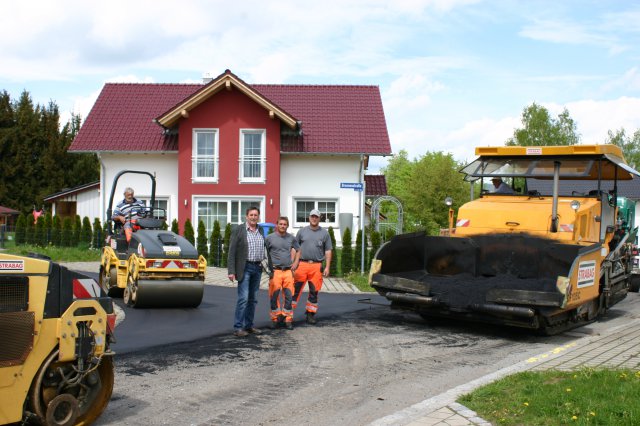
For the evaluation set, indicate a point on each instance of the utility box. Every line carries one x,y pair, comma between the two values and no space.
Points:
345,220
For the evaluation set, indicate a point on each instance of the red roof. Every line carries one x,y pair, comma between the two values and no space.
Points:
335,119
7,210
375,185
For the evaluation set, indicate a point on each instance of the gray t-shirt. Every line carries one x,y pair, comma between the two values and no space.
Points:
313,243
279,248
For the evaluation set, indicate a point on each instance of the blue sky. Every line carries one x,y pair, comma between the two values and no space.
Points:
453,74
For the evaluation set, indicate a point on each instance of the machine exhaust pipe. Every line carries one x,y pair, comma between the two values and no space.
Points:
411,298
502,310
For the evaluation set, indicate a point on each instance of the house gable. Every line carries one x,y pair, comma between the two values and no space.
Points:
226,81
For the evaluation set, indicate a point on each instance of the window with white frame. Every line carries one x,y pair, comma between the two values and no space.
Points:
304,206
205,155
161,206
252,155
224,210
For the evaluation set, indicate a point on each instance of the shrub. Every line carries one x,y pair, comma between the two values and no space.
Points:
56,231
333,268
225,245
346,261
188,232
202,240
215,252
98,239
175,228
86,232
21,229
66,237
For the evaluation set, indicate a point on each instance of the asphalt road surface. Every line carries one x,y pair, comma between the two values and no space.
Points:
361,362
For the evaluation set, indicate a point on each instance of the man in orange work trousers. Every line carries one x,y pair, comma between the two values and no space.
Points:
283,254
315,247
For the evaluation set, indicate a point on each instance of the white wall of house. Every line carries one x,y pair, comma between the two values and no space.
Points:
317,178
164,166
86,204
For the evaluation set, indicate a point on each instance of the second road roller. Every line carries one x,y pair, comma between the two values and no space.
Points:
155,268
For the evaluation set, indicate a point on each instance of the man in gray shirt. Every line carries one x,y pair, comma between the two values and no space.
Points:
315,247
283,252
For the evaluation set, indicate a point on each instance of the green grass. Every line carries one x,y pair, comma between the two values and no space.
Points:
57,254
583,397
360,281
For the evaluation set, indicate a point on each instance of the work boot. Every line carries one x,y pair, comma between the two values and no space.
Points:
274,324
288,325
240,333
253,330
311,318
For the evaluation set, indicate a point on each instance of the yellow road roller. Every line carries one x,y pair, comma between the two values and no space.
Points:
155,268
56,327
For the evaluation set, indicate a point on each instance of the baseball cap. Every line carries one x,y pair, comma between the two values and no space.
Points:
315,212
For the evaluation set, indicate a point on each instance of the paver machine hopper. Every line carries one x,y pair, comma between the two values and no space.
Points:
542,256
156,268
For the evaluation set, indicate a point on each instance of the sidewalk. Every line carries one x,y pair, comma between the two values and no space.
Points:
218,276
618,347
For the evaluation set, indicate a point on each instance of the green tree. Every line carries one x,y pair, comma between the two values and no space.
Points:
225,246
346,259
202,240
175,228
422,185
357,253
66,235
76,237
375,242
86,232
98,235
630,145
40,237
333,268
21,229
188,231
56,231
540,129
48,225
31,230
215,254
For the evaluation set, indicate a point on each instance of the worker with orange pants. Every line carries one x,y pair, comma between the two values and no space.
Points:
283,254
315,247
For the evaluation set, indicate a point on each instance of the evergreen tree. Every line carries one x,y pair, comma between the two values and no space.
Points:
188,231
66,235
76,236
175,228
48,224
97,239
225,251
56,231
357,252
21,229
40,233
86,232
346,260
333,268
31,230
202,240
215,256
375,242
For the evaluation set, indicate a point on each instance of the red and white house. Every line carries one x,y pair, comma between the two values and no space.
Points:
221,146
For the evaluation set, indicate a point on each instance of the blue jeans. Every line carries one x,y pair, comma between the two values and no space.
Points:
247,296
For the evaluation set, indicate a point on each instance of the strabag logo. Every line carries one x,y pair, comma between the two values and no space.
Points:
11,265
586,273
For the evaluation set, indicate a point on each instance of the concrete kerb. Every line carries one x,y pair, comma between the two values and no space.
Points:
448,398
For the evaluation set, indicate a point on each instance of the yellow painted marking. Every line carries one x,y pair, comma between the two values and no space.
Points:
554,351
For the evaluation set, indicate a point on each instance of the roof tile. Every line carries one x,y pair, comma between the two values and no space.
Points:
335,119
